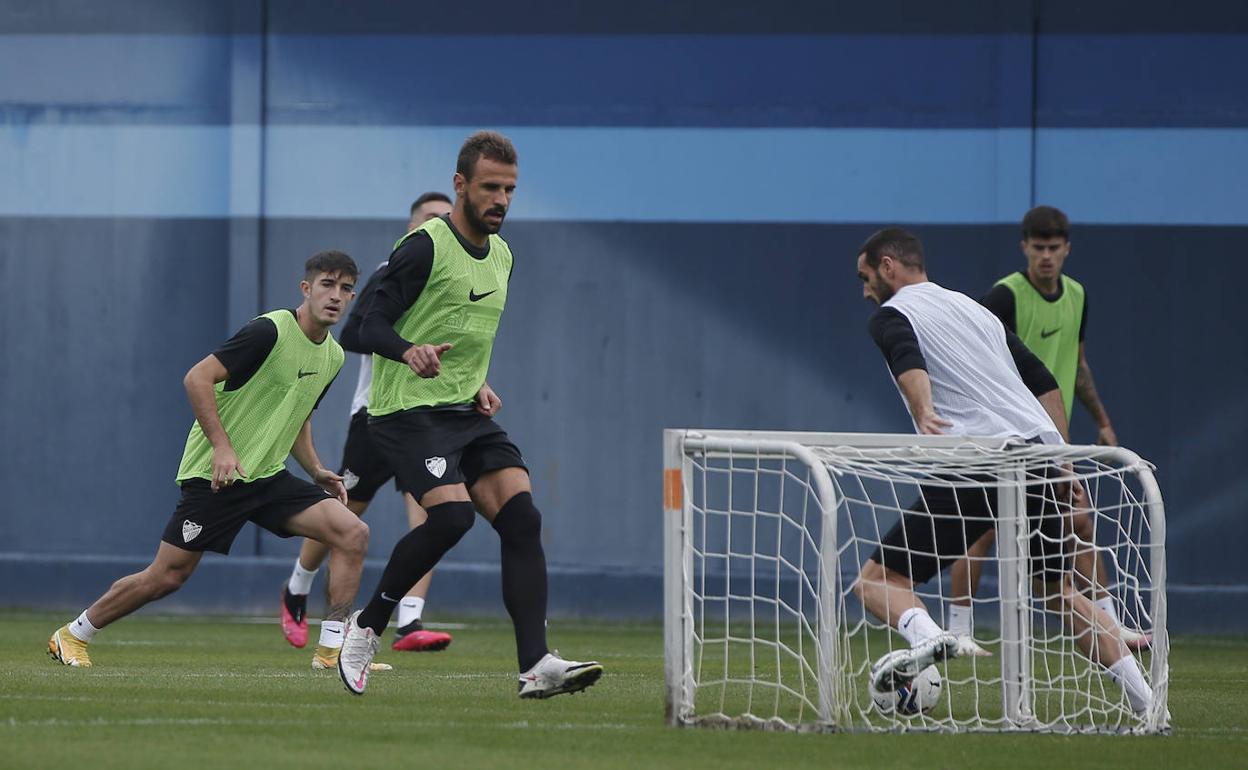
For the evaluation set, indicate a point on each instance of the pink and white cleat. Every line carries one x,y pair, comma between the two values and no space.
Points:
294,615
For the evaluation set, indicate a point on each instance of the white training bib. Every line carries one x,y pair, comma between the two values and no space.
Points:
360,399
975,384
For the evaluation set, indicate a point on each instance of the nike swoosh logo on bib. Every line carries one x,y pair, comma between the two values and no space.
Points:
1045,333
474,297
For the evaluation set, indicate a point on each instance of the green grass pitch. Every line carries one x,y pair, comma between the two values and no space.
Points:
175,692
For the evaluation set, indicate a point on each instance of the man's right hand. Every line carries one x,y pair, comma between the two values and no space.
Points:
931,425
426,360
225,468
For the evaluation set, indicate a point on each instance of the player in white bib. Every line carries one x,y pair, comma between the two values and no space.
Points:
960,372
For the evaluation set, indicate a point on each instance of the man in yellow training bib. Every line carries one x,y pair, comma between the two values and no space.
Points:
1049,312
253,399
431,327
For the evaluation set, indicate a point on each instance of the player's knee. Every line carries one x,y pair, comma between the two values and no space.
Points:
354,538
870,572
450,521
166,581
519,519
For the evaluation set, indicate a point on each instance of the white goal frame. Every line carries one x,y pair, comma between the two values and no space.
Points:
681,446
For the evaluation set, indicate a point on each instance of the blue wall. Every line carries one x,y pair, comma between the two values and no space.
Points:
693,187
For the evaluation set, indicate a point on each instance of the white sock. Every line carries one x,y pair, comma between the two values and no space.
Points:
331,634
301,580
1110,608
917,626
1126,672
410,609
958,619
81,629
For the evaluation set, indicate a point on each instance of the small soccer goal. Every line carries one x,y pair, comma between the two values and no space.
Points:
764,535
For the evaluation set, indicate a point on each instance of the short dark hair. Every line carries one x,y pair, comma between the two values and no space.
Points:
331,262
1044,222
896,242
484,144
426,198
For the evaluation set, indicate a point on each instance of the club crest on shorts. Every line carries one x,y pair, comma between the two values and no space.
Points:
436,465
190,530
349,479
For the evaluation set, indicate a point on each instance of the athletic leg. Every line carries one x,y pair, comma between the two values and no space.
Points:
345,537
335,526
410,635
964,583
293,611
449,517
166,574
168,571
1094,633
505,498
416,516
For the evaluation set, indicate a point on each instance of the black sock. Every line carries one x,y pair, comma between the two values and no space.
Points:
519,527
413,556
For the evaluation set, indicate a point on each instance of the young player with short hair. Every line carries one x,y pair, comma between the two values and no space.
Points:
253,398
1048,310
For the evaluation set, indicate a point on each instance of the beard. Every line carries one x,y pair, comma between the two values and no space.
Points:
479,222
883,292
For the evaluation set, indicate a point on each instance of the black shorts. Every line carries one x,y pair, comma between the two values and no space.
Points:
944,522
209,521
433,447
364,469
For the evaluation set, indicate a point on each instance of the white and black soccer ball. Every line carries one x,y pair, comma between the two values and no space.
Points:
918,697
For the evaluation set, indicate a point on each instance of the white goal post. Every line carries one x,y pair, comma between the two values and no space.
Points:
764,534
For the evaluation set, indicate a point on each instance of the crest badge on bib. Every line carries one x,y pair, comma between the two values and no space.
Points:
190,530
436,466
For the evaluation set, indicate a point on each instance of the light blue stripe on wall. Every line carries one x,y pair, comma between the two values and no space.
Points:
129,171
693,175
1145,176
1105,176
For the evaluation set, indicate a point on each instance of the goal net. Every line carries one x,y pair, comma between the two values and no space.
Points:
764,535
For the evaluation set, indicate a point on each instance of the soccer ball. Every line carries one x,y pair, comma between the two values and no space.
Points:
918,697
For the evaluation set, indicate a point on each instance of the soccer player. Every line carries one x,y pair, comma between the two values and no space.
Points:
960,371
253,398
432,324
364,471
1049,312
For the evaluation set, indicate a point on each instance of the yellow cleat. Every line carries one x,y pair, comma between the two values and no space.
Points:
326,658
68,649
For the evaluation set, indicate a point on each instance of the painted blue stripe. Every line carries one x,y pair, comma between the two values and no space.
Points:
129,171
131,79
729,175
1144,81
754,81
653,81
1145,176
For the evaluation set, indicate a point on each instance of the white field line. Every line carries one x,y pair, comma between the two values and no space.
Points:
14,723
301,674
250,620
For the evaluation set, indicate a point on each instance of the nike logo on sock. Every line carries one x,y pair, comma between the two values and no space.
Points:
387,598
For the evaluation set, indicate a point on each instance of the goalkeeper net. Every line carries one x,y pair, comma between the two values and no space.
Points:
764,537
